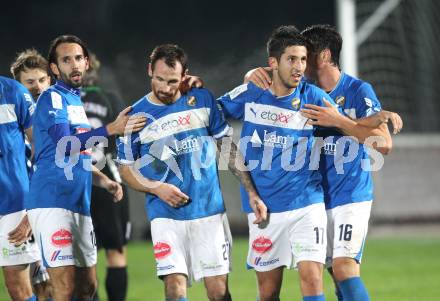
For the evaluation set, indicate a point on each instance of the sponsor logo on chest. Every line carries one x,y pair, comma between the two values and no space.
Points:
275,116
175,123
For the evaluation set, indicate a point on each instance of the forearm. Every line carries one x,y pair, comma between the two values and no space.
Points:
362,132
135,180
374,121
236,158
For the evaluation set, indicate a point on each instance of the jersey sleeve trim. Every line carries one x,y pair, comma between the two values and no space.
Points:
223,133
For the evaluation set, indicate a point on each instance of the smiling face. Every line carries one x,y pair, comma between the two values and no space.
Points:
165,81
291,65
71,64
35,80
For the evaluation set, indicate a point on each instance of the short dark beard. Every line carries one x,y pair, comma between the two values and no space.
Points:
65,78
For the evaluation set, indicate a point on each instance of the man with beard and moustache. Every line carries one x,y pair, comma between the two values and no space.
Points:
31,69
59,199
110,220
189,227
274,135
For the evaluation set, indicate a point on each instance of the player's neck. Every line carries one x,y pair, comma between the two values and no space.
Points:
279,89
328,78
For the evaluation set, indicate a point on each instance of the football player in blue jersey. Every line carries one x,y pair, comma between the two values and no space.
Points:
173,161
277,145
31,69
348,194
16,108
61,184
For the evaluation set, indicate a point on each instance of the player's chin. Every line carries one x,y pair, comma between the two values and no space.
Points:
166,99
294,84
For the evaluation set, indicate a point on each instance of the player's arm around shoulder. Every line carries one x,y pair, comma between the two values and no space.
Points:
331,116
368,105
320,108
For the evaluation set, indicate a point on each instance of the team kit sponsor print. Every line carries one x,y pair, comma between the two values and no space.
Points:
61,238
161,250
262,245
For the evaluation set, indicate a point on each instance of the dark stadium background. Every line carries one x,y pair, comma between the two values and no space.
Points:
223,38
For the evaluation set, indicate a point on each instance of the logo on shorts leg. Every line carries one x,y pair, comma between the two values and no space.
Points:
56,256
161,250
262,244
259,262
62,238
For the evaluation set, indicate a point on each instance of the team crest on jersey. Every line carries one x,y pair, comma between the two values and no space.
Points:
340,100
191,101
296,102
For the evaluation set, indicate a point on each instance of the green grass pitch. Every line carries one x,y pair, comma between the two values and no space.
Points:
393,269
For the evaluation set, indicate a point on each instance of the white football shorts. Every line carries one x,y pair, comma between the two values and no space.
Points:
347,230
289,237
64,237
196,248
26,253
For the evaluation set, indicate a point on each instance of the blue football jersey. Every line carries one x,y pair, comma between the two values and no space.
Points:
177,147
16,108
56,183
352,184
277,144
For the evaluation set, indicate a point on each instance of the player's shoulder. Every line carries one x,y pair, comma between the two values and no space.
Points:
50,93
311,91
355,84
141,105
197,97
51,97
10,86
203,92
246,91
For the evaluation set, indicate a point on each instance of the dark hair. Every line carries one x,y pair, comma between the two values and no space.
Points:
324,36
52,56
171,54
283,37
28,59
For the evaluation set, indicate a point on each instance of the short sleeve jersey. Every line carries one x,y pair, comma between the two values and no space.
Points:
177,147
277,143
60,180
352,183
